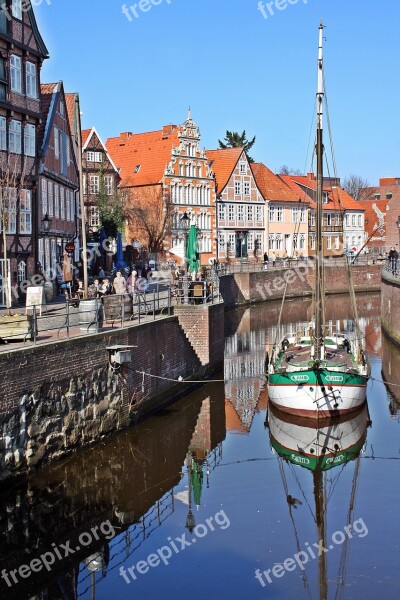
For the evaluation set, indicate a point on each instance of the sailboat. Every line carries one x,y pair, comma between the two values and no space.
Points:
320,447
312,372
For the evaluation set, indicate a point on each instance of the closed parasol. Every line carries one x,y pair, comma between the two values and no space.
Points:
67,269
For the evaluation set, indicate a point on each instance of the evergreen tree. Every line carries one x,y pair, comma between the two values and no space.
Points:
233,139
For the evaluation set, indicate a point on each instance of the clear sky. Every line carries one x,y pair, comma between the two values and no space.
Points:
237,70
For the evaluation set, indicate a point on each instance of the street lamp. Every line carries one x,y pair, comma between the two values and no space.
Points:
46,223
190,520
184,227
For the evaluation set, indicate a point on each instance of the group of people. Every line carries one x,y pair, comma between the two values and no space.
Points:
122,281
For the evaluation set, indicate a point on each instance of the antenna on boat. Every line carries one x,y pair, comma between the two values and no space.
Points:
319,272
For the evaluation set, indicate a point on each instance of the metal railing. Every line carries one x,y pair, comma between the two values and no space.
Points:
392,267
78,317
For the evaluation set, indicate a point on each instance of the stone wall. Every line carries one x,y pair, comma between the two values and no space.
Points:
260,286
390,302
58,396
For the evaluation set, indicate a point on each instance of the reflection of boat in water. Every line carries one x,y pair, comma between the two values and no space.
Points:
320,447
333,442
312,373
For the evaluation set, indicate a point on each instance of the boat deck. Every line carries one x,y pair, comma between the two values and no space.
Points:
300,356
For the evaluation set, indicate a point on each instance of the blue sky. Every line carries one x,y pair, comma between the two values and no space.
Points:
237,70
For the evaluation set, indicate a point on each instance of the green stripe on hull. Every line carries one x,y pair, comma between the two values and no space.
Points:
320,377
324,463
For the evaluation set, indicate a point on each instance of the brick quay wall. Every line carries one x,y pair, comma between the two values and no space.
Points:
390,303
62,395
260,286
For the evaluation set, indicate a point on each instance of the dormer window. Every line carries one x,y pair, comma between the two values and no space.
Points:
389,195
137,169
325,197
377,196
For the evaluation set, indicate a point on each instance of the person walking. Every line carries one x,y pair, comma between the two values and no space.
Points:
393,258
266,259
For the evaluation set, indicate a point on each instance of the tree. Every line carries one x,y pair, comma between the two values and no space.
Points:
148,216
285,170
11,184
356,186
110,208
233,139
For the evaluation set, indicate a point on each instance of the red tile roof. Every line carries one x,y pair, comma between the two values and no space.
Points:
223,163
273,187
85,135
152,151
70,106
337,197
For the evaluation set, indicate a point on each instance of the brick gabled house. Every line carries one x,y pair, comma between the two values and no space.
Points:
286,215
167,171
382,205
58,181
22,52
240,206
99,171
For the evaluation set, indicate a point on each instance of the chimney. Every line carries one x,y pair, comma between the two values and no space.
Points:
311,176
168,129
126,135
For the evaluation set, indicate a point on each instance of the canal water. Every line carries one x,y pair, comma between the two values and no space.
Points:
215,497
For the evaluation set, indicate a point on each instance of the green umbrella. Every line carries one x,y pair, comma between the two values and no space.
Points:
191,252
197,481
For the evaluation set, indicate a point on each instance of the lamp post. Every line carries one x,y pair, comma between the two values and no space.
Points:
184,227
190,520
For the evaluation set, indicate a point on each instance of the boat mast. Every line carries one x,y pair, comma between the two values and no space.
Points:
319,274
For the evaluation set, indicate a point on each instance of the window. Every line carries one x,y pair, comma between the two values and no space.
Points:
353,220
62,204
389,195
302,241
250,212
231,212
231,242
16,9
56,143
295,214
3,78
243,168
360,220
15,137
328,219
109,185
50,198
12,210
329,243
94,216
259,214
241,212
44,197
221,212
137,169
278,241
337,220
259,243
312,220
238,188
250,240
302,215
271,213
72,203
312,239
336,242
30,140
247,188
377,196
64,152
31,80
271,240
221,241
56,201
16,73
279,214
93,184
97,157
67,206
62,108
347,220
25,212
3,133
3,21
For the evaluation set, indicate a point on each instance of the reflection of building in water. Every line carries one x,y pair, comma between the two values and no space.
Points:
129,480
391,374
244,374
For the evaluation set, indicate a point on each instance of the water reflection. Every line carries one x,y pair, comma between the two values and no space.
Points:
391,374
129,482
319,448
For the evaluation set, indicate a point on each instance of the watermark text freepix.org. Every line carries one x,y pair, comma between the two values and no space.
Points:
312,551
143,6
165,553
267,9
59,552
25,7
